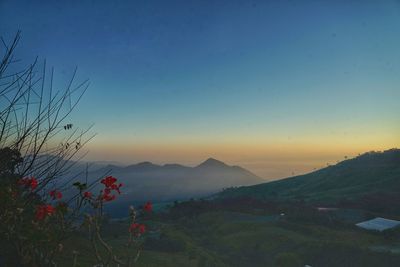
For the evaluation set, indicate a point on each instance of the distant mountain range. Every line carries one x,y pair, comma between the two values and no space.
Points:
147,181
369,173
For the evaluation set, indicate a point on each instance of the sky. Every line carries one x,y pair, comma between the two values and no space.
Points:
278,87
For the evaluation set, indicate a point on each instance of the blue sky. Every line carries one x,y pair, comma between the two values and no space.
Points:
248,82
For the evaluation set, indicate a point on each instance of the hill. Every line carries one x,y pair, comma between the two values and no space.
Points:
145,180
369,173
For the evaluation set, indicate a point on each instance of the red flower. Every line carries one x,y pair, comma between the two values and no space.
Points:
133,227
33,183
108,181
29,182
44,210
50,209
107,197
110,184
142,228
116,187
55,194
148,207
87,194
137,228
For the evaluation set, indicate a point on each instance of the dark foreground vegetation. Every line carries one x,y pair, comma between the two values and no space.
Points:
252,232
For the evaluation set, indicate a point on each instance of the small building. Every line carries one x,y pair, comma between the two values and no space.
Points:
378,224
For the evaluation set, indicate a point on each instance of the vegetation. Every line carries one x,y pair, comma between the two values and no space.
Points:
261,233
38,212
373,173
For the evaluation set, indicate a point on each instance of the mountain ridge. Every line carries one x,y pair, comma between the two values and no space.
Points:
146,180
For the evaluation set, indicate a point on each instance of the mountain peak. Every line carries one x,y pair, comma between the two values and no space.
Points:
211,162
145,165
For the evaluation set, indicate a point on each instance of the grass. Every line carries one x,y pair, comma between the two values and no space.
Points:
226,238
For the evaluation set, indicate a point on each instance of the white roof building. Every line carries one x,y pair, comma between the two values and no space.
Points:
378,224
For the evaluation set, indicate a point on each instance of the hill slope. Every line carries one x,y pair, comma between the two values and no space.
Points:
369,173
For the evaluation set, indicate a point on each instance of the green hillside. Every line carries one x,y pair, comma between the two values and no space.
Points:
269,224
369,173
206,234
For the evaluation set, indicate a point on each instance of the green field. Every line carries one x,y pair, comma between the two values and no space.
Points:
220,237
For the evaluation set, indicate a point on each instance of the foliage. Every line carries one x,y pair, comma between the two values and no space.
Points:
36,147
221,235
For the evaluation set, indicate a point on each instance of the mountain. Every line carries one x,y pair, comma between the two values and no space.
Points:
145,180
369,173
211,163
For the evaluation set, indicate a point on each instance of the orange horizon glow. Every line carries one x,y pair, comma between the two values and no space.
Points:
266,159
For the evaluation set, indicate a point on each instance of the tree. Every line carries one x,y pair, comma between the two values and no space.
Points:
37,143
33,116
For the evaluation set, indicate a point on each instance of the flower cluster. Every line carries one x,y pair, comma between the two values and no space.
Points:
87,195
47,213
55,194
43,211
137,228
110,184
29,182
148,207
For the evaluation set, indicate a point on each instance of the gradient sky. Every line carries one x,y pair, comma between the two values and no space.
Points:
279,87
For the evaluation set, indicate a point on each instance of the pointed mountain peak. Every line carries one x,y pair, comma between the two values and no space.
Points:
211,162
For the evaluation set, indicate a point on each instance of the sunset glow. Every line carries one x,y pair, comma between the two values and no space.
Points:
276,87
